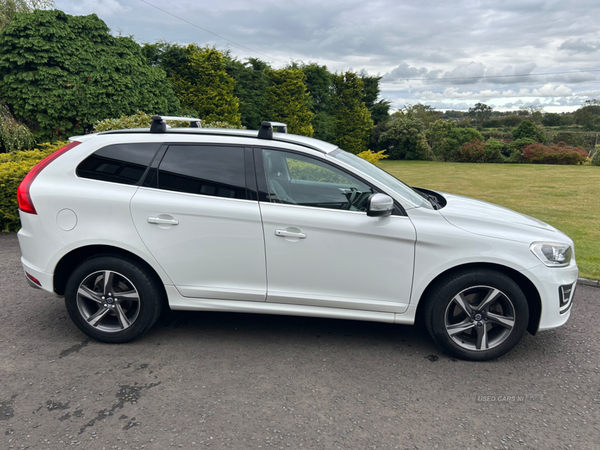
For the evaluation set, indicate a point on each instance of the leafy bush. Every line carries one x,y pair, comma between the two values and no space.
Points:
586,140
14,136
496,150
497,134
404,137
478,151
372,157
446,139
528,130
596,157
143,120
560,153
516,150
471,151
13,168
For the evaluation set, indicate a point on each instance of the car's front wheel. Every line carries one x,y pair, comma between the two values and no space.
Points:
112,300
477,315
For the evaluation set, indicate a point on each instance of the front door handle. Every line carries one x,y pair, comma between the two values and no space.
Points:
290,234
163,220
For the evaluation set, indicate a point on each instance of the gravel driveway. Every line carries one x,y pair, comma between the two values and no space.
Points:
216,380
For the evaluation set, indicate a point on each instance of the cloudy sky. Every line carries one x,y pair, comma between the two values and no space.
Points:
451,55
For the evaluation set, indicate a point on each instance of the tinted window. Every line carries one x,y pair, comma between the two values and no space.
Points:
306,181
120,163
206,170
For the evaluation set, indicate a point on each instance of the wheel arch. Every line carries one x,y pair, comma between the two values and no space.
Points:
71,260
531,293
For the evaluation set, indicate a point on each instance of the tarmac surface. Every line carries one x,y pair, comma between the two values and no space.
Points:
235,381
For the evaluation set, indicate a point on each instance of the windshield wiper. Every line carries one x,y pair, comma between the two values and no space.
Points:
434,201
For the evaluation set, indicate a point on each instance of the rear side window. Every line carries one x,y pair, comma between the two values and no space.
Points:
203,169
119,163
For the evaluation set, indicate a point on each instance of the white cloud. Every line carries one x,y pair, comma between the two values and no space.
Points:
103,8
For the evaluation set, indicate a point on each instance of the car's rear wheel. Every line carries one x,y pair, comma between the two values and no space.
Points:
477,315
112,300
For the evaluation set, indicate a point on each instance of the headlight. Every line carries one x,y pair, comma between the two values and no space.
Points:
552,254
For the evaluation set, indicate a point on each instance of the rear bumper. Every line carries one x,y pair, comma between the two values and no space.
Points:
36,249
46,279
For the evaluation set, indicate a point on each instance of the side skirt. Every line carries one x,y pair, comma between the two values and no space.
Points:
178,302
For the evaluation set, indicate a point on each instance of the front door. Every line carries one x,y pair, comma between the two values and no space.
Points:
321,247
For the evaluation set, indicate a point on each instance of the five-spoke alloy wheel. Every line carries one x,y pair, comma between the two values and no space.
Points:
477,315
112,300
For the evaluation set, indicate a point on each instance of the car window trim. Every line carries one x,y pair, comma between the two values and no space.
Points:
261,176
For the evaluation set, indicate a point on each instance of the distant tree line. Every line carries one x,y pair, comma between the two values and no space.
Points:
61,74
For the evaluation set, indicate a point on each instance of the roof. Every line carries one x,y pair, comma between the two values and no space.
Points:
303,141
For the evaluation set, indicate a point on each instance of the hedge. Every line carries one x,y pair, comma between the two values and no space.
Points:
13,168
554,154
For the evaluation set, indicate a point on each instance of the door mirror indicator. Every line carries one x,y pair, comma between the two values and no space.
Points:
380,205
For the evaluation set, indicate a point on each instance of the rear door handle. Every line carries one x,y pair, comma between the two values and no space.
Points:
290,234
164,220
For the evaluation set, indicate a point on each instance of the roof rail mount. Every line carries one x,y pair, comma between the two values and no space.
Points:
159,123
266,129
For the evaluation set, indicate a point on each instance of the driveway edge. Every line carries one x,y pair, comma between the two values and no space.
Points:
588,282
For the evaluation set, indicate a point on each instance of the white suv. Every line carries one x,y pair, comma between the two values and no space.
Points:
122,223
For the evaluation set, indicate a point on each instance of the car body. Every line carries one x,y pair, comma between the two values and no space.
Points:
263,222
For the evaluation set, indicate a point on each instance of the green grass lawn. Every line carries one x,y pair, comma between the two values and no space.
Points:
566,197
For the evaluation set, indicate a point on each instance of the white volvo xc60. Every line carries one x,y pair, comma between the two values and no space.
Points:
125,222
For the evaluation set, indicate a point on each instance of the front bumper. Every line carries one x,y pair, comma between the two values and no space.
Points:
548,281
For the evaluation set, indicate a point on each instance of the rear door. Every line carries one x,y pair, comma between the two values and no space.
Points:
200,220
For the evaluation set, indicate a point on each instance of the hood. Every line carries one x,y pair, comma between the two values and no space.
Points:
487,219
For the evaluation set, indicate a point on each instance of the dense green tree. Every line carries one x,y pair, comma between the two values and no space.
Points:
170,57
552,120
288,101
318,84
62,73
203,85
480,112
8,8
534,113
353,122
426,113
453,114
371,90
251,82
589,116
512,120
528,130
404,137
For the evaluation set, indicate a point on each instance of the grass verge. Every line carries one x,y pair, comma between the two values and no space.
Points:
566,197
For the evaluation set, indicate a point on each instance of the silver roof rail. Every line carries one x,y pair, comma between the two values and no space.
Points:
159,123
266,129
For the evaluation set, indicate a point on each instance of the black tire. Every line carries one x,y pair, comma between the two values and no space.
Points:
477,315
96,306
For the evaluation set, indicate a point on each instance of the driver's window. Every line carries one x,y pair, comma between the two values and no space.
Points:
301,180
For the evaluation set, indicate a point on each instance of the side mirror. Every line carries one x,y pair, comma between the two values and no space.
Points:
379,205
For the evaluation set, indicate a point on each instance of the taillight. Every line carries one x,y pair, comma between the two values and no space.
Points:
23,196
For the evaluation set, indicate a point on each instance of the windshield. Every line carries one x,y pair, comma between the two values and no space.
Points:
380,175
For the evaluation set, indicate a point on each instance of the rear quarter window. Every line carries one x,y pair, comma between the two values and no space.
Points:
118,163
